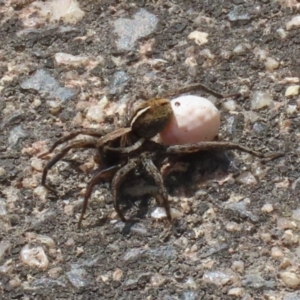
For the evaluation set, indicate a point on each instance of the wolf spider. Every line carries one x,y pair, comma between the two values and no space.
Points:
124,149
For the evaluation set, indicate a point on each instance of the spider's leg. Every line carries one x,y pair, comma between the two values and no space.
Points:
128,149
95,180
91,143
116,182
155,174
88,131
202,146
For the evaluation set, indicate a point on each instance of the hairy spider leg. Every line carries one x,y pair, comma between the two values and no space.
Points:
215,145
91,143
95,180
162,195
116,182
89,131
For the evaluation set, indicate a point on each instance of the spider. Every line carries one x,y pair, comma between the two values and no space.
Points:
126,148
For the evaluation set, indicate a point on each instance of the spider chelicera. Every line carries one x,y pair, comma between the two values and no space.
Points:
124,149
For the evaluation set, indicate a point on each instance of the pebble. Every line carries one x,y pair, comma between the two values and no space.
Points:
238,266
2,171
241,209
246,178
66,59
160,212
3,210
34,257
199,37
261,100
129,31
41,192
241,49
292,90
157,280
271,64
290,279
5,246
256,281
233,226
42,82
284,223
267,208
237,292
219,278
195,119
118,83
36,164
276,253
16,135
282,33
117,275
67,11
77,277
229,105
54,273
97,112
294,22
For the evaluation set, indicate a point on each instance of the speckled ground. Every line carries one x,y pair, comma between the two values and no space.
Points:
239,234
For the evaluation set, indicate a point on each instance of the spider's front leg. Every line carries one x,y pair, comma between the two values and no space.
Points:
91,143
216,145
116,182
87,131
95,180
155,174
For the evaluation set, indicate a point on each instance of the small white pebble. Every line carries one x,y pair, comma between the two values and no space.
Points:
97,112
282,33
36,102
2,171
157,280
267,208
199,37
159,213
294,22
54,273
285,263
271,64
237,292
37,164
292,90
241,49
276,253
117,274
238,266
229,105
41,192
290,279
261,99
246,178
195,119
266,237
283,223
291,109
34,257
233,226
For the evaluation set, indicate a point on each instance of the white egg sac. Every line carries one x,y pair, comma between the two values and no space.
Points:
195,119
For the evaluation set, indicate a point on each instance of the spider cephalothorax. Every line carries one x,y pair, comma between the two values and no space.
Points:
123,149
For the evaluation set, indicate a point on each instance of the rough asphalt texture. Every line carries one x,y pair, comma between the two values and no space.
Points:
235,239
